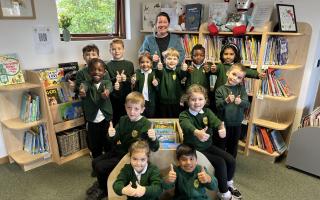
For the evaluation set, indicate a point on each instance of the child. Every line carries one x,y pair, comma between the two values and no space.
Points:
199,71
170,84
130,128
231,100
189,178
197,124
97,106
145,82
139,179
229,54
120,71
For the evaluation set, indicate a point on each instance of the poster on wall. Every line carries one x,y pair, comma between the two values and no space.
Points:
42,40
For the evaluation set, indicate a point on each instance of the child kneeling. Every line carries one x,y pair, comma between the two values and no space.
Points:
139,179
189,178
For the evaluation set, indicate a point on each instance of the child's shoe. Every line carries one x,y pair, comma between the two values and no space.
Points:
225,196
234,191
97,194
93,187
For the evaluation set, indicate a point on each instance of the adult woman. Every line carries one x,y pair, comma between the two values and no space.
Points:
161,40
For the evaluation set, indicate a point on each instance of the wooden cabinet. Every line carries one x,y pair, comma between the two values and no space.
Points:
13,128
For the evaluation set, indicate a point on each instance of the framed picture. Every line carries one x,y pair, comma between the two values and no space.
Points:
287,18
17,9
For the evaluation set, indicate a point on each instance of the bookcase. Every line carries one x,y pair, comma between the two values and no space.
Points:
13,128
273,112
55,127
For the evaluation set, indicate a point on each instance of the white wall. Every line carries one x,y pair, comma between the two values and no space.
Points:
16,36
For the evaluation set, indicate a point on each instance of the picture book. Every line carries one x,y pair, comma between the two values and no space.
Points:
10,70
53,96
51,76
165,131
69,70
277,141
149,13
193,16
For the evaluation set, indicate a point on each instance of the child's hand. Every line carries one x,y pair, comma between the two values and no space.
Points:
190,68
133,79
140,190
184,66
262,75
172,175
105,94
152,134
160,65
155,57
201,134
118,77
123,76
128,190
237,100
230,98
155,82
206,67
204,177
117,86
82,90
222,130
72,84
213,68
111,130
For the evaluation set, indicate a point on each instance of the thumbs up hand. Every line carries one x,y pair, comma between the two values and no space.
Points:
140,190
151,133
117,86
133,79
222,130
123,76
203,177
201,134
82,90
184,66
155,82
160,65
237,100
128,190
213,68
191,68
72,84
111,130
155,57
105,94
230,98
206,66
172,175
118,77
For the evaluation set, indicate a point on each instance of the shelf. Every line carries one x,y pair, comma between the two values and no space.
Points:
75,155
17,87
17,124
285,67
257,149
175,32
281,98
271,124
69,124
22,157
231,33
284,34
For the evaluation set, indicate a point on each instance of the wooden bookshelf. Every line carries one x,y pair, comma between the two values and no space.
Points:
17,87
286,67
271,124
18,124
280,98
73,156
69,124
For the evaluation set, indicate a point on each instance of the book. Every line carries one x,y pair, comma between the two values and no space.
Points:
218,13
279,144
150,10
53,96
266,140
193,16
10,70
70,70
51,76
165,131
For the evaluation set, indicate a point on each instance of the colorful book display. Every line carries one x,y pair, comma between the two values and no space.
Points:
276,51
30,107
10,70
35,140
274,84
165,131
193,16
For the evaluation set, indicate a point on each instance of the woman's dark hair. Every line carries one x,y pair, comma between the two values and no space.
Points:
94,61
234,47
185,150
163,14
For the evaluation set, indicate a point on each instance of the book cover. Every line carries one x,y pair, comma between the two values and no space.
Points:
10,70
70,70
279,144
165,131
51,76
193,16
66,111
266,140
150,11
53,96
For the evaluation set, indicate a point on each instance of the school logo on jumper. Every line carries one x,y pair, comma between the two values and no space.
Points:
196,183
205,121
134,133
174,76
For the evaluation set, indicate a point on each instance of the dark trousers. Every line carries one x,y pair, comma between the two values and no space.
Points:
230,142
169,110
97,138
103,165
118,109
149,111
224,166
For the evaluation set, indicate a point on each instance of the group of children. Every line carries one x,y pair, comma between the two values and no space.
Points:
113,93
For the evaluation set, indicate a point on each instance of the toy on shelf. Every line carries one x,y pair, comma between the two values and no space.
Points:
181,12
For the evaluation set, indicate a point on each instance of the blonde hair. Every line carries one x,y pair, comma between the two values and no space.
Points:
195,88
238,66
139,145
171,52
135,97
116,41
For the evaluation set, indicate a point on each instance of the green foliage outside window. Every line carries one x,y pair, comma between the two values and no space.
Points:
89,16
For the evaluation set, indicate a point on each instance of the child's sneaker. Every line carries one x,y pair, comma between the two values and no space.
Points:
235,192
92,188
97,194
224,196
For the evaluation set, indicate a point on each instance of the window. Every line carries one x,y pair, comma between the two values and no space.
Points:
93,19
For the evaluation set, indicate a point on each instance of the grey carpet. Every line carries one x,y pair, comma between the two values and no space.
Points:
256,179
